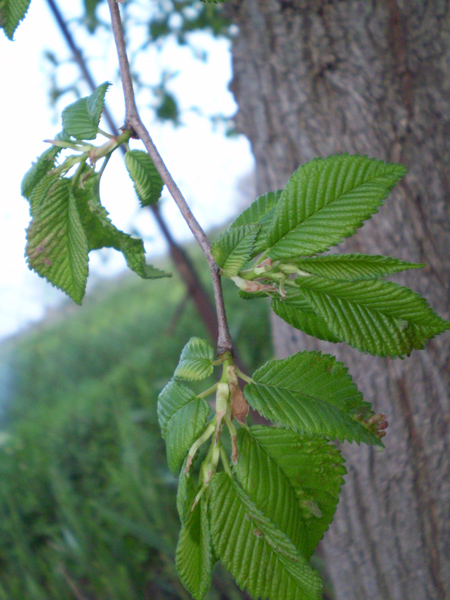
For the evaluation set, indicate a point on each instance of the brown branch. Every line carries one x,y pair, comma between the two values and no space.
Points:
133,121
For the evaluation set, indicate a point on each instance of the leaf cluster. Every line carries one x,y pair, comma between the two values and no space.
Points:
334,297
264,511
68,218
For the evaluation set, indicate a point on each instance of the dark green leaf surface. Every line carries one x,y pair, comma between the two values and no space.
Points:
182,418
353,267
259,555
326,200
81,119
147,181
312,393
39,170
303,318
102,233
57,248
265,483
11,13
260,212
379,317
194,557
314,470
195,361
233,248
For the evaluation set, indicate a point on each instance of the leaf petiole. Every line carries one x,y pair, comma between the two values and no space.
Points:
225,461
105,133
210,429
208,392
243,376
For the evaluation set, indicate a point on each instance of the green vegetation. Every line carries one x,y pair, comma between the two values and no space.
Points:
87,503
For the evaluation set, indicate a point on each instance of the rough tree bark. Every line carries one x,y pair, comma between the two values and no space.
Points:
313,78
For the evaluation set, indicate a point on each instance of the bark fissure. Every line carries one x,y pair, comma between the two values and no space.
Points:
422,485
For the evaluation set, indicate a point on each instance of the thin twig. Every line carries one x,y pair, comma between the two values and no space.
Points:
133,121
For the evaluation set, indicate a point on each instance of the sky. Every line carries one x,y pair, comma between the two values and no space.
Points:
206,164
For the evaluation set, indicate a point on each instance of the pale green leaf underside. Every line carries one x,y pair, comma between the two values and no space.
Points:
261,558
171,399
379,317
311,393
195,361
186,425
233,248
326,200
260,212
57,248
182,418
147,181
353,267
314,469
39,170
11,13
40,191
81,119
194,558
102,233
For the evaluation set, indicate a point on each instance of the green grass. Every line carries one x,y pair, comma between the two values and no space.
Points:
87,504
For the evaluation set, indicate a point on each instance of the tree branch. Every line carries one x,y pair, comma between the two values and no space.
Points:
134,122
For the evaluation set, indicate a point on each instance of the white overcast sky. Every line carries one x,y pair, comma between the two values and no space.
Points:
206,164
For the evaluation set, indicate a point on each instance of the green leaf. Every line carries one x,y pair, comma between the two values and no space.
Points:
81,119
314,470
182,418
326,200
183,429
171,399
251,295
147,181
39,169
195,361
269,489
233,248
353,267
57,247
298,313
379,317
11,13
311,393
259,555
101,233
260,212
194,559
40,191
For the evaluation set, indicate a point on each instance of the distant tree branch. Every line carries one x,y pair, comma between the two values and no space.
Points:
134,122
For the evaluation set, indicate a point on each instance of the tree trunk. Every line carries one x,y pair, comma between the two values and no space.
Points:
313,78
